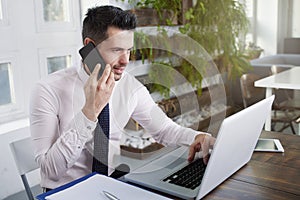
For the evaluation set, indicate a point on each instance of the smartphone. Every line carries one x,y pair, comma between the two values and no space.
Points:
269,145
91,57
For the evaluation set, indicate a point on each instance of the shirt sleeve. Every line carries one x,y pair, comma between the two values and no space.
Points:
163,129
56,150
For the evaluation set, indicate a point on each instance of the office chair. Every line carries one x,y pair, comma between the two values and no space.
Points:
252,94
24,158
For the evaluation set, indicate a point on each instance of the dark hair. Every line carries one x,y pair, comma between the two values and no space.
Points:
98,19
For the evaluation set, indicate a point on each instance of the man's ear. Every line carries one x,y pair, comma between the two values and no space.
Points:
87,40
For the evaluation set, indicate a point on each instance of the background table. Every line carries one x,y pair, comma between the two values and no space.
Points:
289,79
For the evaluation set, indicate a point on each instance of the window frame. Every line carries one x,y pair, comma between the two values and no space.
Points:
4,20
15,109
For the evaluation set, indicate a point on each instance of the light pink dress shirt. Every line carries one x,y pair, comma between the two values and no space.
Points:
63,136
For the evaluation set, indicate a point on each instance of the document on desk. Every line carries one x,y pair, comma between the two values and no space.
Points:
95,187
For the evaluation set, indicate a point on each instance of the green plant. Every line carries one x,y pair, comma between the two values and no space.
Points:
160,6
217,25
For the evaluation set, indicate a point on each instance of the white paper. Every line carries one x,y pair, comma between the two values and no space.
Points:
93,187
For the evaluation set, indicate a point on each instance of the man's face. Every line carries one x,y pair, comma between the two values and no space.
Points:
115,50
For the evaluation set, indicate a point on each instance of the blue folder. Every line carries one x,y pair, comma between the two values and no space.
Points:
63,187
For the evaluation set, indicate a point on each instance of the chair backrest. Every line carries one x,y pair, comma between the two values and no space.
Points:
250,93
291,46
24,158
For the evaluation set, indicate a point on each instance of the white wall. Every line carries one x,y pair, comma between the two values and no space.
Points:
267,16
296,19
276,20
124,5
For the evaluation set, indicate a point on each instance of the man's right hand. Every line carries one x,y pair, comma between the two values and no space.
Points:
204,143
97,92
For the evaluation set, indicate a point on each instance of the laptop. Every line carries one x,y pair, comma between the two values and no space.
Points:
234,146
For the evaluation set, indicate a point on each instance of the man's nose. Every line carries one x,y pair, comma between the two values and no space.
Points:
124,58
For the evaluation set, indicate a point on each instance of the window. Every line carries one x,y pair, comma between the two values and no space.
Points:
56,10
57,63
6,84
250,11
56,15
51,60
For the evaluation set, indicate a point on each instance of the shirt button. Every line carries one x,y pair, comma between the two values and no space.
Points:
89,127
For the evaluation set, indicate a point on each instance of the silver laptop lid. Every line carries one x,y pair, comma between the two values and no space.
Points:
234,146
235,143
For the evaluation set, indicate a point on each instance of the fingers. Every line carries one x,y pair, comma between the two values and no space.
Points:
95,72
104,88
205,159
106,74
207,144
205,147
194,148
107,77
204,143
107,80
111,80
87,69
91,83
90,92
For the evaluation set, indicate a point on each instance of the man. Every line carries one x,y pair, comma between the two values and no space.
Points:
65,106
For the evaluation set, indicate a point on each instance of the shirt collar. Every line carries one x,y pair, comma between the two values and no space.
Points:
82,74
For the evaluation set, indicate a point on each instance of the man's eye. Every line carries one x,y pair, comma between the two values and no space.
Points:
117,50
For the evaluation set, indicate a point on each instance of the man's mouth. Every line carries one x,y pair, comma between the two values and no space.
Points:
118,70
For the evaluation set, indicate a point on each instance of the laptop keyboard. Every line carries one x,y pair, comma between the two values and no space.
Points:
189,176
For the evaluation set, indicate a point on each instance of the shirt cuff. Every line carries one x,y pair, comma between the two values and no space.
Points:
84,126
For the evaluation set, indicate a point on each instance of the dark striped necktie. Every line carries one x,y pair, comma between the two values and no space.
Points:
101,138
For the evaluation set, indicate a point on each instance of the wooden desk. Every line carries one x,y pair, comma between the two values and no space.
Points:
271,176
288,79
267,175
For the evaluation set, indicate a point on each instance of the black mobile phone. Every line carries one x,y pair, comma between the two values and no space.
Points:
91,57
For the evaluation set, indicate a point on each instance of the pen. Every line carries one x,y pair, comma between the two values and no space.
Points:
110,196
